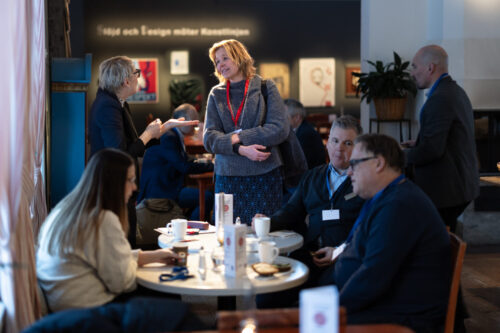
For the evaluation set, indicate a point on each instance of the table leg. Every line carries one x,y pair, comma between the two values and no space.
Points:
226,303
201,198
400,131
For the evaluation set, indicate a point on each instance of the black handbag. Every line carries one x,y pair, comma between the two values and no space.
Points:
292,156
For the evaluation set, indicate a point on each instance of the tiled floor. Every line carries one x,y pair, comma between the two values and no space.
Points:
481,288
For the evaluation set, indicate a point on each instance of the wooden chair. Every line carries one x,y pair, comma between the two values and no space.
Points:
457,259
268,318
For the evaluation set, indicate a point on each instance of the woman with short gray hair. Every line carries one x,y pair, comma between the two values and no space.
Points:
110,120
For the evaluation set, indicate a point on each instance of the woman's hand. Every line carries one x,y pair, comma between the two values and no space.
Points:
180,122
235,139
163,256
254,152
152,131
323,257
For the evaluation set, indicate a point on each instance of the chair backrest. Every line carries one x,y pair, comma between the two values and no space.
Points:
457,259
268,318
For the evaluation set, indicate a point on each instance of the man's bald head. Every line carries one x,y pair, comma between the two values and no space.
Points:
434,54
428,65
188,112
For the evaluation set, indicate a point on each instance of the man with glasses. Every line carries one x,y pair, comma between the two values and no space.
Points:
394,266
323,208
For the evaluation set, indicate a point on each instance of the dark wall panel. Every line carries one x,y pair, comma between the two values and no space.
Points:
280,31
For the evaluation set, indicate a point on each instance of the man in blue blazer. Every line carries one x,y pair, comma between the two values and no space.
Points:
322,209
395,265
309,138
165,166
444,155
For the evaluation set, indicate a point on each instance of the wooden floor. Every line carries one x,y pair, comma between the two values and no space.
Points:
481,288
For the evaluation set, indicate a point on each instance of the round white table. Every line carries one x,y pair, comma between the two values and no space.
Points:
286,241
217,284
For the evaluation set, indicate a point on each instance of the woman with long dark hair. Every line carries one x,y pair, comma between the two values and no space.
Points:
84,258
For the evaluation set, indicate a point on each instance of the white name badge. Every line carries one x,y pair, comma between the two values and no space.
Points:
331,214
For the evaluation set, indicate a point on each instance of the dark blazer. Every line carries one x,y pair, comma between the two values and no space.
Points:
165,166
310,198
397,266
444,156
111,126
311,144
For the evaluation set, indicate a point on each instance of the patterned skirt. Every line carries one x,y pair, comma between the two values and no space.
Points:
252,194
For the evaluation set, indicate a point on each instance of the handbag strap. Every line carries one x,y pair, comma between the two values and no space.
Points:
263,90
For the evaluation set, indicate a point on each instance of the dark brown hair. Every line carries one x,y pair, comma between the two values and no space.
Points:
385,146
101,187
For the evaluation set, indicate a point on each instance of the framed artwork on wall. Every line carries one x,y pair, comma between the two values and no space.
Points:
147,90
280,74
179,62
351,81
317,81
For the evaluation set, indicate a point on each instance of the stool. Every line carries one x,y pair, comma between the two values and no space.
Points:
400,121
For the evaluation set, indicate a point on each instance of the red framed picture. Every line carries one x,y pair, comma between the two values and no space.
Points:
147,90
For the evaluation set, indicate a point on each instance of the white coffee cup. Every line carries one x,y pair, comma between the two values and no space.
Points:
268,252
178,228
262,226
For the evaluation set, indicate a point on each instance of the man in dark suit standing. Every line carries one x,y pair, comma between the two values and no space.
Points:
165,166
309,138
444,154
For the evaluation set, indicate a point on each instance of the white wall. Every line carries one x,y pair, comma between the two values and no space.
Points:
469,30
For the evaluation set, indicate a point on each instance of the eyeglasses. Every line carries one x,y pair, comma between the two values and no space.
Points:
354,162
137,73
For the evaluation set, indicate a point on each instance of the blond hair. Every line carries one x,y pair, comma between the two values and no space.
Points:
238,53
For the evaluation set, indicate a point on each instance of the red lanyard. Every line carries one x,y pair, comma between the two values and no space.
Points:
238,114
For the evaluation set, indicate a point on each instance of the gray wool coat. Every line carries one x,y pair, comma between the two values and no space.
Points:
219,127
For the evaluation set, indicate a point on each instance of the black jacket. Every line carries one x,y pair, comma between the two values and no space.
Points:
311,198
311,144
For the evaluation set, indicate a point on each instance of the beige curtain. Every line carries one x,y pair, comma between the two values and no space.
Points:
22,201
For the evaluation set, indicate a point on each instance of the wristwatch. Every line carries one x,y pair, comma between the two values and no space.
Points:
236,148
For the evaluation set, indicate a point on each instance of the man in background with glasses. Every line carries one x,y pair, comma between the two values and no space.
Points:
394,266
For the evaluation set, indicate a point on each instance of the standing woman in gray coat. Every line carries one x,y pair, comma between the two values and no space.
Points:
243,132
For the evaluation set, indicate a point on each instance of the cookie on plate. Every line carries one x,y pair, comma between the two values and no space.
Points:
264,269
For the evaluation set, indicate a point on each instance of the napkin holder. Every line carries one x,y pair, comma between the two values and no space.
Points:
235,256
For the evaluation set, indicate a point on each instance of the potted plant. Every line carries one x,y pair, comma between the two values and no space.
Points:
388,86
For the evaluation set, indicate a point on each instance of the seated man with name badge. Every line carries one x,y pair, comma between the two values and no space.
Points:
394,266
324,197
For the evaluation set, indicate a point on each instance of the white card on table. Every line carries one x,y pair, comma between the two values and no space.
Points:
331,214
319,310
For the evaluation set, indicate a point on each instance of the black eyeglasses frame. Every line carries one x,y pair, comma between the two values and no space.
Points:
356,161
137,73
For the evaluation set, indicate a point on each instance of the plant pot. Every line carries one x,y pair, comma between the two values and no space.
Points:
390,108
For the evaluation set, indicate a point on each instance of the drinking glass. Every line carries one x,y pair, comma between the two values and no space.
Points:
217,257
